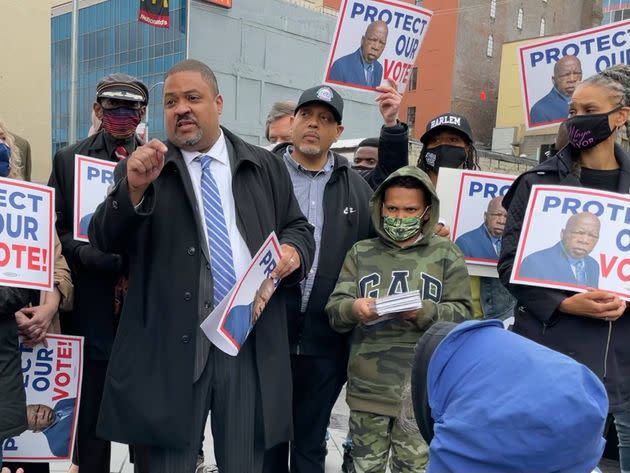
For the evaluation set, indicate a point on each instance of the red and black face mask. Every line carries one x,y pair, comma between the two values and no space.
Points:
121,122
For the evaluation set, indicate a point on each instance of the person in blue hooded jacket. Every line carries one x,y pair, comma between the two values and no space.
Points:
528,410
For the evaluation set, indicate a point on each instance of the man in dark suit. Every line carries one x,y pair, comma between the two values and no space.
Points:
362,66
568,261
55,423
241,318
484,242
188,215
120,103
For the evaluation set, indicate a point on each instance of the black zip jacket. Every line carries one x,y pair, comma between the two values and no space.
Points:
600,345
346,221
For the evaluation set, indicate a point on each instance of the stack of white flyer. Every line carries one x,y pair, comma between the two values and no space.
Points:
398,303
388,307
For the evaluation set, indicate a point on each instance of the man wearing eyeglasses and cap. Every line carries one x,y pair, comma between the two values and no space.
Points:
99,279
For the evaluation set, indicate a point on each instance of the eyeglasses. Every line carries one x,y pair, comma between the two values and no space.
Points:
112,104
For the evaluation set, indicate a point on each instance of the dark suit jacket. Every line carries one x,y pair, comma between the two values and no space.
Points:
477,244
551,107
58,434
94,273
164,242
238,322
350,69
551,264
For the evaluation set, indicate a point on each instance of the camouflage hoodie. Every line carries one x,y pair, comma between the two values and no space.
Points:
381,354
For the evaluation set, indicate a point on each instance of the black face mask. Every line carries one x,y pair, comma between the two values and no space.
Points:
445,156
586,131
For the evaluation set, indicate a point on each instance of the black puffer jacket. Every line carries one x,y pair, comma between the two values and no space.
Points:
12,396
602,346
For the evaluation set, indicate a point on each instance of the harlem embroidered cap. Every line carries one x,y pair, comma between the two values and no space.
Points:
325,95
449,120
122,87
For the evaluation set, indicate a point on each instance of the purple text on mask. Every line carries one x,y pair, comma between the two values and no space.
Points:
580,139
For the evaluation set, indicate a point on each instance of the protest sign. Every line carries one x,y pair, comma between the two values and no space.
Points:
26,234
52,380
470,202
575,239
375,40
547,92
92,179
233,319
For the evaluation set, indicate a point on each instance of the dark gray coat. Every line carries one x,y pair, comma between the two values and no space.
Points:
147,398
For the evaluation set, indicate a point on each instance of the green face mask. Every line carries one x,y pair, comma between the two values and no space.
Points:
401,229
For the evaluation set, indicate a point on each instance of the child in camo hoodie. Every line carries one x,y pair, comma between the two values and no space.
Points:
404,257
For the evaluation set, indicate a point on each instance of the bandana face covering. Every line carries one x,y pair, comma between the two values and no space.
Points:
402,229
120,122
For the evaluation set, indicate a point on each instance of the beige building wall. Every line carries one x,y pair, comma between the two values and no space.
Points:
25,77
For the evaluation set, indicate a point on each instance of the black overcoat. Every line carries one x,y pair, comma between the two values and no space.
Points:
147,398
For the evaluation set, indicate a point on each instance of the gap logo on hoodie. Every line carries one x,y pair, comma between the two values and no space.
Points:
430,287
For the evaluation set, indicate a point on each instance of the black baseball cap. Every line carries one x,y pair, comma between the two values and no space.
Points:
451,121
325,95
120,86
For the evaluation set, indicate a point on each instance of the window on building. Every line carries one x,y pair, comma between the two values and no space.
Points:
413,79
490,46
419,3
542,27
519,19
493,9
411,118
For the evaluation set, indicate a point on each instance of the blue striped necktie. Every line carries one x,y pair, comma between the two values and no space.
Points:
580,272
222,264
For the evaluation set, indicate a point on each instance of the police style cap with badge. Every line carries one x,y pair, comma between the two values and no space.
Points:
325,95
122,87
445,155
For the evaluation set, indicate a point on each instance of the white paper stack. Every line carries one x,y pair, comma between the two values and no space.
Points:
398,303
389,307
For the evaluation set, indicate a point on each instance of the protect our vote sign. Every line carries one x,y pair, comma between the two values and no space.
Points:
233,319
92,179
472,204
375,40
575,239
26,234
551,68
52,381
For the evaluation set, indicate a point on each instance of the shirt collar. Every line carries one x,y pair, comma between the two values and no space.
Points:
328,167
217,152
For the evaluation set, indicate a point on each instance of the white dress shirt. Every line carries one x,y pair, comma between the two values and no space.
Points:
222,173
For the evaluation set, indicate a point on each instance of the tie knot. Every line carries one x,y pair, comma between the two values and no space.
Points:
204,159
121,153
